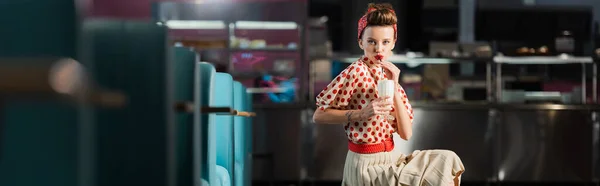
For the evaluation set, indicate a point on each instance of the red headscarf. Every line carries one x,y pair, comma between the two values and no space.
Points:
362,23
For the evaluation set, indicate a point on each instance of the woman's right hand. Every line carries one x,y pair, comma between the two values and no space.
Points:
379,106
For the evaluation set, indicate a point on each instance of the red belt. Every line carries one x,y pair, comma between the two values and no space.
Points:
385,146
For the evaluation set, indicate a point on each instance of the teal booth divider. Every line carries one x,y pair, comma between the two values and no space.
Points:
204,81
242,137
239,136
131,143
38,143
223,97
38,137
41,28
183,71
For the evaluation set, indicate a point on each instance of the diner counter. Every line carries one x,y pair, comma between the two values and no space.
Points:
496,142
504,106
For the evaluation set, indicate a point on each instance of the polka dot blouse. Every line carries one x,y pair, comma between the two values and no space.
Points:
355,88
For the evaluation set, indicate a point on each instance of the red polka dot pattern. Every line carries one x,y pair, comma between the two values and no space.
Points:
355,88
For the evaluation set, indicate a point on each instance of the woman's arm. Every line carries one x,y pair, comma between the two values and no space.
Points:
404,123
335,116
332,101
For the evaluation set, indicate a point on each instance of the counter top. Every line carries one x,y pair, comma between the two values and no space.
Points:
505,106
282,105
464,106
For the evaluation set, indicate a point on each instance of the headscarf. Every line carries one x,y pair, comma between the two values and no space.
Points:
362,23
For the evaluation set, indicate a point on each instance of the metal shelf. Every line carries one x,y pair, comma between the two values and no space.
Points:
263,50
543,60
231,12
499,60
252,75
406,59
229,17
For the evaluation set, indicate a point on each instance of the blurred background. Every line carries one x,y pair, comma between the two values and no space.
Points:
221,92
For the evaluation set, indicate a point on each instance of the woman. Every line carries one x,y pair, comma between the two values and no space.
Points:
352,99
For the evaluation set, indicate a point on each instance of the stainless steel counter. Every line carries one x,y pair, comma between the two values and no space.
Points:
496,142
544,145
461,129
475,105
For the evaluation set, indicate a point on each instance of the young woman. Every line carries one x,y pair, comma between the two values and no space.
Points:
352,99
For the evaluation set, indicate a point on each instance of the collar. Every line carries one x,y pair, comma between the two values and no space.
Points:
375,69
370,63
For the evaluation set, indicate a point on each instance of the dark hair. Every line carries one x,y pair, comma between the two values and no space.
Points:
383,15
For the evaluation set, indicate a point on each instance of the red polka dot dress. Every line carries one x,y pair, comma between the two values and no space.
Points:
354,88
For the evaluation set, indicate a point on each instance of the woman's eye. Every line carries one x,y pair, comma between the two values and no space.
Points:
371,42
386,42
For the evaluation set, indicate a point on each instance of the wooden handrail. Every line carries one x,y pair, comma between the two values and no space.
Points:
184,107
245,114
58,76
188,107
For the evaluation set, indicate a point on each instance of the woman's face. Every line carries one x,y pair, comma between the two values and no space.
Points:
377,40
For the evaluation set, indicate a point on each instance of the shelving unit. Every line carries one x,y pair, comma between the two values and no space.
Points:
223,20
547,60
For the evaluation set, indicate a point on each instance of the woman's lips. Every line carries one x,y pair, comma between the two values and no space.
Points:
379,57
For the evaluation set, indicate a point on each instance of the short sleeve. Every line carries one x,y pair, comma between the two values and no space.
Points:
406,102
338,93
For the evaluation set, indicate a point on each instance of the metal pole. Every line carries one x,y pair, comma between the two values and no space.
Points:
488,81
498,82
231,32
466,18
595,82
583,83
303,78
595,145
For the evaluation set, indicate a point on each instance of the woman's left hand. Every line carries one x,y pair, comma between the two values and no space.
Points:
391,71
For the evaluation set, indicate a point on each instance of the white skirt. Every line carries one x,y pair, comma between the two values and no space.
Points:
421,168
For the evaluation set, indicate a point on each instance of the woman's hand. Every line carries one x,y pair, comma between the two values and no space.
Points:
391,71
379,106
